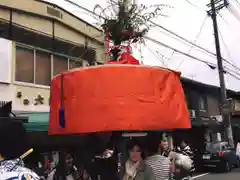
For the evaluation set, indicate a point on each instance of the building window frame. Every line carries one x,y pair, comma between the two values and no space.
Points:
35,49
202,103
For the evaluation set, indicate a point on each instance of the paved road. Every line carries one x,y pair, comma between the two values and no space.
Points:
233,175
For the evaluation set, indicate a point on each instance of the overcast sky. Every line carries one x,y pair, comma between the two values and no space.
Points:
186,19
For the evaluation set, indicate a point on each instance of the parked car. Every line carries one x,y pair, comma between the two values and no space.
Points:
220,156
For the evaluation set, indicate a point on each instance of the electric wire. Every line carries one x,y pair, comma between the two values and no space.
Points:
167,30
211,65
233,12
178,51
172,55
225,45
162,61
223,19
189,2
227,70
167,46
198,35
195,45
233,75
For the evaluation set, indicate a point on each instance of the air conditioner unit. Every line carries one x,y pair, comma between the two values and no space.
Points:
192,113
217,118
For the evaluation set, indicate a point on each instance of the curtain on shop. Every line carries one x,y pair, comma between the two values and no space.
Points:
36,121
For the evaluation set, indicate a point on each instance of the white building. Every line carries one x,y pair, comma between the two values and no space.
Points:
39,40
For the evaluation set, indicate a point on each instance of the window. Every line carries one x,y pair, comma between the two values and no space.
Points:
202,104
24,67
38,66
43,68
60,64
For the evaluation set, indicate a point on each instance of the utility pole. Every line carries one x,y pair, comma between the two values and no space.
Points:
216,5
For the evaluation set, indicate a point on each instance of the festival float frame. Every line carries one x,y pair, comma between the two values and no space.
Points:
117,97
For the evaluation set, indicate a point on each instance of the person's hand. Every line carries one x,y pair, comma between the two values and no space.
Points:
136,165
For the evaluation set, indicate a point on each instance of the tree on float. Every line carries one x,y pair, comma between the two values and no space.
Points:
125,22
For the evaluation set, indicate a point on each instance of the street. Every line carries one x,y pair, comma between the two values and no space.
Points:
233,175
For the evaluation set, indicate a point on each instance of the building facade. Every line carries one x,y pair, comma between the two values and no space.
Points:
204,108
38,41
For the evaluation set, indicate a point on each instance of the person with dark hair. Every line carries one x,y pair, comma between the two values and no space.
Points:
13,144
186,150
135,167
164,149
158,162
65,169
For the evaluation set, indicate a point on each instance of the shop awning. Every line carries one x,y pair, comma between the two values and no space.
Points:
37,121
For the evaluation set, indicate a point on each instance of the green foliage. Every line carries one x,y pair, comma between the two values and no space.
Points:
128,21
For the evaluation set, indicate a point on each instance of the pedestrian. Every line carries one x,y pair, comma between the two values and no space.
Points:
13,140
186,150
164,149
135,168
160,164
65,169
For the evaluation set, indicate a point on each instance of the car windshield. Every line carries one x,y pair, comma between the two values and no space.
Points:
213,147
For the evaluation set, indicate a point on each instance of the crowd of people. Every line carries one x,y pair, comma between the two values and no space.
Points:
156,161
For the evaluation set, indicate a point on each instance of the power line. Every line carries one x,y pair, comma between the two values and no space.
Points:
195,45
230,70
171,32
162,61
167,30
211,65
178,51
199,33
180,37
233,75
233,12
229,55
223,18
189,2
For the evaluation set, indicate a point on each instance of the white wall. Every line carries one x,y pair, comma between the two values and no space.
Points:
30,93
6,92
5,60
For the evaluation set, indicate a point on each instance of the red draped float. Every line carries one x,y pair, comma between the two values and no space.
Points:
117,97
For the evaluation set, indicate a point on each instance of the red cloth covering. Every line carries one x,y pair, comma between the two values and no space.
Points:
118,98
